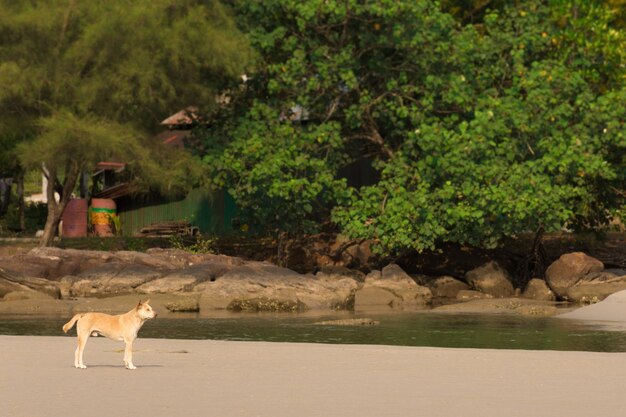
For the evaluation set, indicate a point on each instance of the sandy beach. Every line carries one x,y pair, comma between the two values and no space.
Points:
247,379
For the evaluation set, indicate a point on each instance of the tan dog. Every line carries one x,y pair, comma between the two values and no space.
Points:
123,327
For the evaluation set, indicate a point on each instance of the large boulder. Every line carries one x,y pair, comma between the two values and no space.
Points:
491,279
7,287
261,286
62,262
469,295
569,269
110,279
447,287
144,259
23,265
26,295
613,308
36,284
168,285
181,259
185,279
371,298
595,286
391,288
537,289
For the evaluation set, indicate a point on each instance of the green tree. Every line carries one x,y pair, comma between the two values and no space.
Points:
283,176
89,79
478,131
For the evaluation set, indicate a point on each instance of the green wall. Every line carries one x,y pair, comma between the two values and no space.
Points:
211,213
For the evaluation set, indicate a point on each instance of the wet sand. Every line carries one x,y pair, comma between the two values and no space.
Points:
214,378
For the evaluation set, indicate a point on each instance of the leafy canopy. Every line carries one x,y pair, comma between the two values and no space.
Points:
479,130
85,81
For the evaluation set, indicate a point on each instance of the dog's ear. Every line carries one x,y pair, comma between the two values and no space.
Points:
140,303
147,301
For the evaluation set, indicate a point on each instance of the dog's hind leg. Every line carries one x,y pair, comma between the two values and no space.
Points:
78,355
128,355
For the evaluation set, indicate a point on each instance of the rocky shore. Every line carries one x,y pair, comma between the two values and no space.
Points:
66,281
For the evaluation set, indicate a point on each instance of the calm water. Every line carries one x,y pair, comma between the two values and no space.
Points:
417,329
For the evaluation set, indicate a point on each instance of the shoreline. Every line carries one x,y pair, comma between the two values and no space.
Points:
219,378
162,303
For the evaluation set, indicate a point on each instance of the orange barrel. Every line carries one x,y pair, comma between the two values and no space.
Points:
75,218
102,214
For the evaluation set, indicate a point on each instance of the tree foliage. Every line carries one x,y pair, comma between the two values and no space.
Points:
480,130
283,176
85,81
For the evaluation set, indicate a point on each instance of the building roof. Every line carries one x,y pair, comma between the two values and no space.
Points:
115,166
186,116
116,191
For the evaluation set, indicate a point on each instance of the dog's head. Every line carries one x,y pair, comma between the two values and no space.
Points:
145,311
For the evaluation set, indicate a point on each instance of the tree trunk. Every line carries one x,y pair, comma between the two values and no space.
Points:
55,210
52,224
5,195
20,198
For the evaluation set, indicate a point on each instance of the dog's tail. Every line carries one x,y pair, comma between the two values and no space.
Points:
70,323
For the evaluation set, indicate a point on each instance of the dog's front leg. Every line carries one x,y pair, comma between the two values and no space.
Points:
128,355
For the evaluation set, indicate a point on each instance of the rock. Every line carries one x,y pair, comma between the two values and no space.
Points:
490,279
183,305
7,286
177,258
595,287
111,279
600,277
340,272
65,286
205,271
256,285
22,265
266,304
168,285
180,259
36,284
122,304
466,295
185,279
92,283
539,310
391,287
139,258
62,262
26,295
569,269
513,306
447,287
348,322
594,292
372,298
360,254
537,289
613,308
55,263
50,288
348,252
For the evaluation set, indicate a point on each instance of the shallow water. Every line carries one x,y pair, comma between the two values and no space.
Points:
410,329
